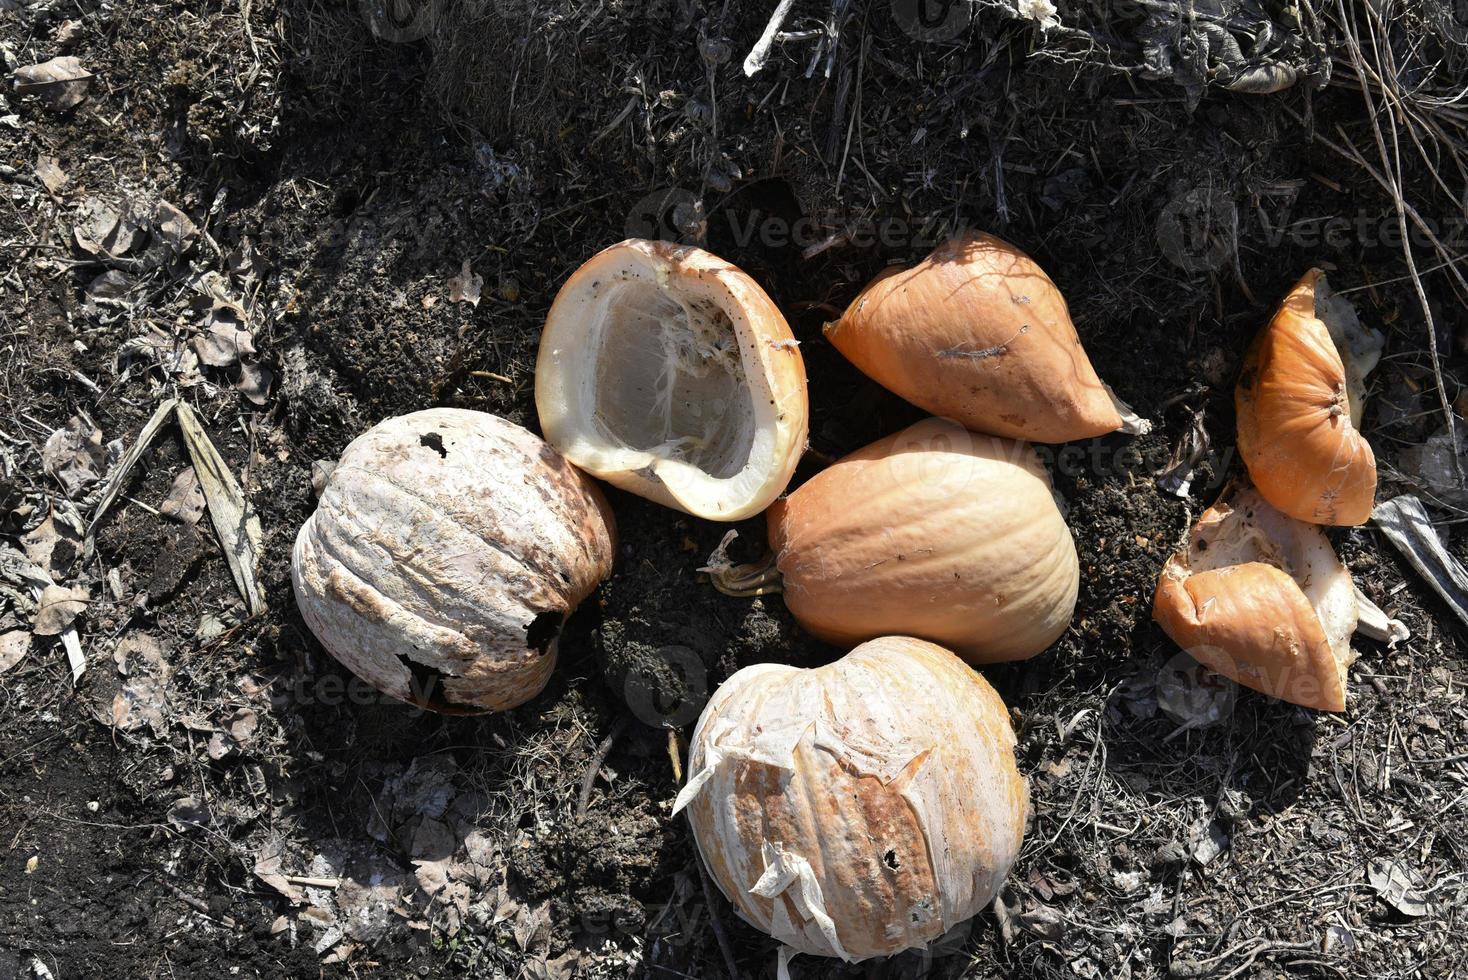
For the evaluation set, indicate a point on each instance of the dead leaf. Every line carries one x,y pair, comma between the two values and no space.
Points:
220,746
111,288
57,608
530,924
466,286
1399,886
244,263
67,34
1192,695
172,228
14,645
50,174
269,869
141,653
254,382
185,501
1042,921
432,841
242,724
234,520
223,343
214,288
189,814
107,232
1406,525
1209,840
61,82
74,455
140,701
129,459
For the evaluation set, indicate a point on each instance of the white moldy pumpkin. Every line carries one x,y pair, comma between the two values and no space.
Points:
858,809
446,551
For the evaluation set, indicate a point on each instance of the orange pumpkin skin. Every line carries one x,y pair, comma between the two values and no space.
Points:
934,532
1251,620
1295,432
1251,624
977,332
842,820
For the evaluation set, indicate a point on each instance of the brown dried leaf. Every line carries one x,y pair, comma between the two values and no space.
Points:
223,342
74,455
185,501
61,82
50,174
235,521
141,701
254,382
57,608
1398,885
14,645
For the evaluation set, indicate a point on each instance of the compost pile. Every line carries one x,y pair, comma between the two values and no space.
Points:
236,238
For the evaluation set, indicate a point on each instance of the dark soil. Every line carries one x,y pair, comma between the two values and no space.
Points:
340,180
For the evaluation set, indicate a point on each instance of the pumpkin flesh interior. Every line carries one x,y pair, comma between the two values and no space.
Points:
1358,345
669,380
1250,530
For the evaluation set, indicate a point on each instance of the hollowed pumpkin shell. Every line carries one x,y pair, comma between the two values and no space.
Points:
668,372
1299,401
859,809
446,551
978,333
934,532
1262,599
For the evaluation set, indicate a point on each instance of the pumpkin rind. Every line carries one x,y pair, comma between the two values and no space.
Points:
1295,431
1252,620
450,544
768,361
935,532
861,808
977,332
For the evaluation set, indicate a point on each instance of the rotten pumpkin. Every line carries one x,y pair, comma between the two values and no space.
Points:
841,821
446,551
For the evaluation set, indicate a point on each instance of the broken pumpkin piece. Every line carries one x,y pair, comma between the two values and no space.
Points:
668,372
446,551
978,333
1299,402
1261,598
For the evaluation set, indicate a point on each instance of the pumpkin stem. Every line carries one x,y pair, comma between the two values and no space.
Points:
745,581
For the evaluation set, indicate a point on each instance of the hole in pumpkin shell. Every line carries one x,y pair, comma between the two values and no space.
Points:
434,441
541,634
426,686
890,859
